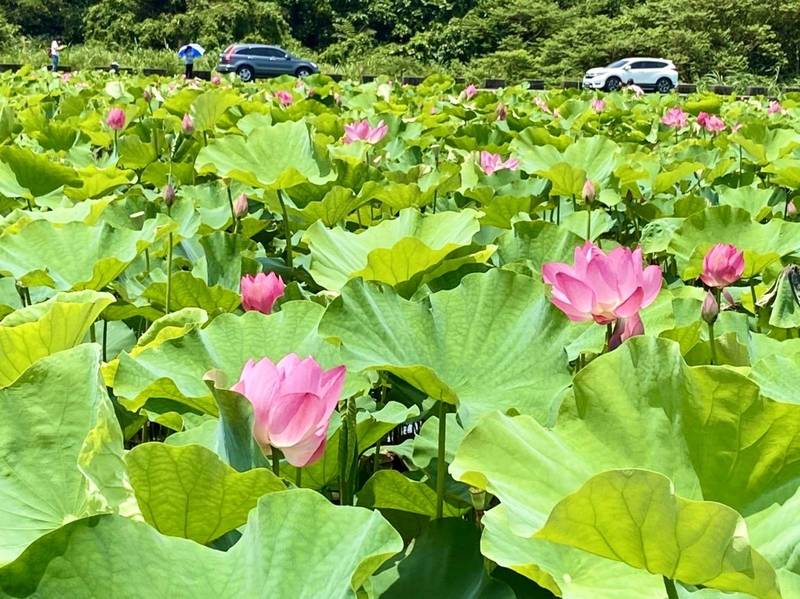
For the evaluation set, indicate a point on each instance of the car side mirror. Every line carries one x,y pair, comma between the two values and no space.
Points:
627,67
286,57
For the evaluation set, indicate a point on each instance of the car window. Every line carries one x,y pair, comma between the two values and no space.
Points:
656,64
269,52
617,64
640,64
243,50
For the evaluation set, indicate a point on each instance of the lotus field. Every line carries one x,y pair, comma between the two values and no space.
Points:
307,339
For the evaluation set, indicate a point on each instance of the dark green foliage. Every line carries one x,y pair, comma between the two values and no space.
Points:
501,38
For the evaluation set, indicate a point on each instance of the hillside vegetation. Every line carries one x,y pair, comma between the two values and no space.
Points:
723,40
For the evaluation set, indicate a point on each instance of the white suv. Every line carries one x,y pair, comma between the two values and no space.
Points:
648,73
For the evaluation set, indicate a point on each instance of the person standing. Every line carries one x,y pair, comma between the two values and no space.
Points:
55,48
188,60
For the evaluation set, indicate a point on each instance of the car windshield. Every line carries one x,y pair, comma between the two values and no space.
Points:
617,64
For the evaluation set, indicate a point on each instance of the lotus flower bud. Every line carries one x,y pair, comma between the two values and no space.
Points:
791,209
501,111
187,124
147,95
260,292
589,191
169,195
625,328
598,105
216,80
293,401
116,119
240,206
470,91
722,265
710,309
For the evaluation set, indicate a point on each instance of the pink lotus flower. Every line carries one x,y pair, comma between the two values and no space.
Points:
735,127
775,107
602,287
589,191
598,105
625,328
284,97
216,80
260,292
541,104
714,124
66,76
470,91
702,119
491,163
187,124
240,207
637,91
722,265
363,131
675,118
116,119
293,401
710,308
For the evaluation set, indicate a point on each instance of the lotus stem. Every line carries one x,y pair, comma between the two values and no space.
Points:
276,461
147,259
298,478
588,222
116,143
27,292
669,584
287,230
376,462
441,468
92,334
558,210
169,274
713,344
105,339
348,454
609,332
233,211
740,167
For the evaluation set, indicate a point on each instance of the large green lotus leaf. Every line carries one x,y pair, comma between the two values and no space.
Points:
753,199
98,182
777,374
565,571
596,156
538,242
494,342
389,489
295,544
443,562
775,532
332,209
635,517
25,173
175,368
275,157
189,492
762,243
706,428
60,449
31,333
762,145
392,252
88,212
74,256
209,107
189,291
785,171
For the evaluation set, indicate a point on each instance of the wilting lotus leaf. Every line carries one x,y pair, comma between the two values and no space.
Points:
762,243
175,369
294,544
31,333
634,516
74,256
293,157
706,428
786,305
494,342
189,492
60,446
395,251
389,489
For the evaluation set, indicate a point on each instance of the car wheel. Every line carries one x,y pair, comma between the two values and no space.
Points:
303,72
664,85
246,73
612,84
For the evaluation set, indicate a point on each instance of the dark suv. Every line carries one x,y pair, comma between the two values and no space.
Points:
258,60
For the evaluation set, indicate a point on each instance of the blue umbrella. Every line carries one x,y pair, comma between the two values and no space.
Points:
191,50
